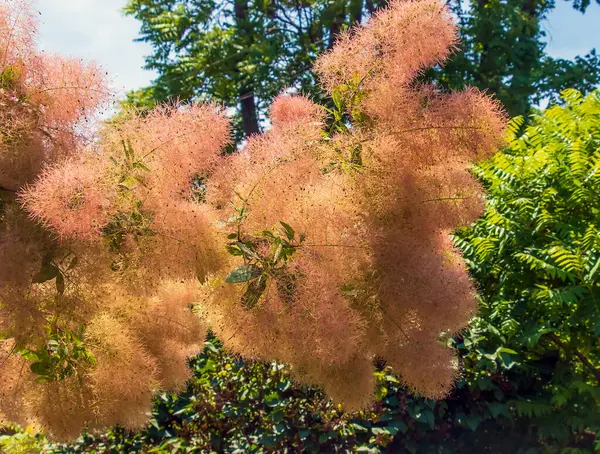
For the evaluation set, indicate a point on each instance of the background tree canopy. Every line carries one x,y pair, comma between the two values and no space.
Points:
242,53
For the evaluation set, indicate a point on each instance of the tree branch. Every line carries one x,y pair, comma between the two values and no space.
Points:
582,358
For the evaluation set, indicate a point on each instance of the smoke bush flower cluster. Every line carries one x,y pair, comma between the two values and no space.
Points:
323,243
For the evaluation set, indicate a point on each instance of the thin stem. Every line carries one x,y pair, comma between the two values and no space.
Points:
247,198
171,320
12,350
10,34
426,128
164,143
394,321
335,245
582,358
441,199
67,87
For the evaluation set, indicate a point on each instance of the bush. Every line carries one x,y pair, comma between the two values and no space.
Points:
232,405
535,254
318,245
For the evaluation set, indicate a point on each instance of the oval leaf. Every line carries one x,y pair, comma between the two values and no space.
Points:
47,272
289,231
243,273
60,283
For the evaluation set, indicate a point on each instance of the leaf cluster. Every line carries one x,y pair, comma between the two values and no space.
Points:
535,255
62,353
259,267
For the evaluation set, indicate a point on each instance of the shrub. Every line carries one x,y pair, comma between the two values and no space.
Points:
322,244
535,254
232,405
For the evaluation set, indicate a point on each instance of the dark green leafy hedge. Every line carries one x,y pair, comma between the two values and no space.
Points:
235,406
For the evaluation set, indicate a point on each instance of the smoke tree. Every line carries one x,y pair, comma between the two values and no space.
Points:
323,243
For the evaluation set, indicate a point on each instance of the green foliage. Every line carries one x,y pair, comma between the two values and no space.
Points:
503,51
260,267
9,76
62,353
132,168
56,265
535,255
14,440
530,359
135,224
132,171
233,405
203,50
238,51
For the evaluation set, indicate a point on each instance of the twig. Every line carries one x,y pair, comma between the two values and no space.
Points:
584,359
426,128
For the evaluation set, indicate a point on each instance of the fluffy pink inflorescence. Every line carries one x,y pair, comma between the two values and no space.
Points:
140,228
295,110
47,102
69,91
401,40
72,199
18,29
381,233
176,143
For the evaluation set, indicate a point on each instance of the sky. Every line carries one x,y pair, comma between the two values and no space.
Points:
98,30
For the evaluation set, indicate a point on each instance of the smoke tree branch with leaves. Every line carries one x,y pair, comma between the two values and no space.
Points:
322,245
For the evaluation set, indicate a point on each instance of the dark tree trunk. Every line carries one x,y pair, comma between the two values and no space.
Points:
356,10
339,18
247,102
370,6
249,119
486,77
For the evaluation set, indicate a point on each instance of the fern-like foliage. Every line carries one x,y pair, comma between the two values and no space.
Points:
536,256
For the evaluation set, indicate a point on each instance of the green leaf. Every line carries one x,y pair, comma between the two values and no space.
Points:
48,272
254,291
211,347
360,427
234,250
277,254
272,400
384,430
470,421
247,248
336,96
289,231
29,355
140,165
368,449
60,283
128,182
128,150
40,368
593,271
43,379
497,409
243,273
73,263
